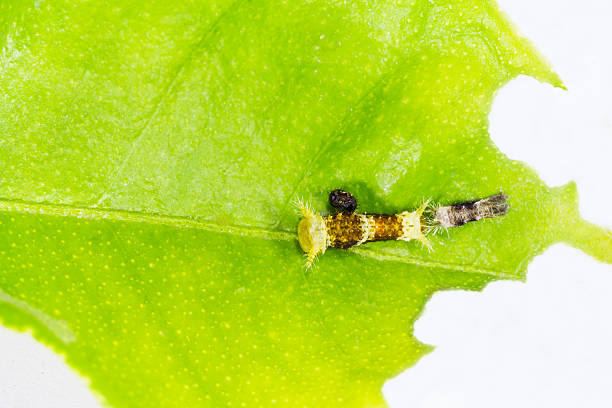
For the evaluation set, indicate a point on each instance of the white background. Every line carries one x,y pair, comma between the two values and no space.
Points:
546,343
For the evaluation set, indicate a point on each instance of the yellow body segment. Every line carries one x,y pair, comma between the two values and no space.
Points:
312,234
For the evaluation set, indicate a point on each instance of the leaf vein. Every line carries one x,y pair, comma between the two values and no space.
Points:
88,213
165,94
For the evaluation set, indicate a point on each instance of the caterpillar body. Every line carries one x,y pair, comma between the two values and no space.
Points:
347,229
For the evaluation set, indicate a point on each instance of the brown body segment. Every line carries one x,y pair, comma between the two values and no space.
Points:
386,227
347,230
344,230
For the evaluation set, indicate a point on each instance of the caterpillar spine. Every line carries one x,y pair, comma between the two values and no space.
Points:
347,229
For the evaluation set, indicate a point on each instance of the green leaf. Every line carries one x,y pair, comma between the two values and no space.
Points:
150,153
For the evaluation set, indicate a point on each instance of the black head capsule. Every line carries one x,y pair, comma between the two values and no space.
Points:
343,201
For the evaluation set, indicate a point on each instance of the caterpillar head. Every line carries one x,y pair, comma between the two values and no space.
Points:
312,233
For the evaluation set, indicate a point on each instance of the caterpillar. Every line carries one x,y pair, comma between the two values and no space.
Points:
346,229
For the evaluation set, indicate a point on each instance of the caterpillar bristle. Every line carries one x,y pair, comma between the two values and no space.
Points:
346,229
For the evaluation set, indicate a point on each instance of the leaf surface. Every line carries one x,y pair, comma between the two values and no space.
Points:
150,153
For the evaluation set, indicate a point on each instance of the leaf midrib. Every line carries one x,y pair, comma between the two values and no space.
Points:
88,213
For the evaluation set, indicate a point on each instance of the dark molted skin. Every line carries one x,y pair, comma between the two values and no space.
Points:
343,200
459,214
493,206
